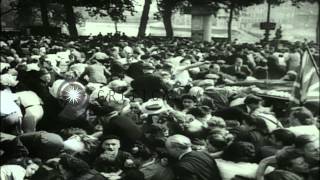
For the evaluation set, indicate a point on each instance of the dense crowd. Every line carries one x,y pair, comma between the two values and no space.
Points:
116,107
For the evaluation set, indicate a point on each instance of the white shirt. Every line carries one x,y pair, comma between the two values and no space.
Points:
7,103
78,68
182,76
12,172
310,130
229,169
29,98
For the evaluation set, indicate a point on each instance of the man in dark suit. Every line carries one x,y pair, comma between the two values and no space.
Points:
191,165
148,85
238,67
242,111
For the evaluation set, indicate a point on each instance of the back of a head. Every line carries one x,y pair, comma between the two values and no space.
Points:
252,99
199,111
284,158
218,141
74,165
178,141
303,115
239,151
302,140
285,136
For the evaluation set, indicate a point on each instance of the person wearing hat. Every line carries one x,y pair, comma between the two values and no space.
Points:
109,107
290,76
113,161
118,86
148,85
190,165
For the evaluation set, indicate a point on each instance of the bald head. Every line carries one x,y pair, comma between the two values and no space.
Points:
177,145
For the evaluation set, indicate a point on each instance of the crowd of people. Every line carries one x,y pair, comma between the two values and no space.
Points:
117,107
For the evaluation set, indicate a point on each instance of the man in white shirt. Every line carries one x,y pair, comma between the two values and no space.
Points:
181,73
10,112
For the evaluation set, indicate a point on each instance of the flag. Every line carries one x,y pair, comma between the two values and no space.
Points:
306,86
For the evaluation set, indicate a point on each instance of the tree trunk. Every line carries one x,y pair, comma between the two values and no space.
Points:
71,19
318,25
230,23
1,16
144,18
115,26
44,13
167,14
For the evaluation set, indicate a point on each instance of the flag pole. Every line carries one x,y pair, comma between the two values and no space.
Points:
313,61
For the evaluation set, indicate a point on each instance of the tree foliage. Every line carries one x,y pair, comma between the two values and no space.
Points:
58,16
115,9
167,5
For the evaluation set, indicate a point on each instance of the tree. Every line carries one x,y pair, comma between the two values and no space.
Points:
13,6
234,7
115,9
167,7
297,3
144,18
44,13
70,18
271,3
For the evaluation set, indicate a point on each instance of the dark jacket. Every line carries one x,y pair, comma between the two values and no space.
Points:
124,128
196,166
232,70
233,113
149,86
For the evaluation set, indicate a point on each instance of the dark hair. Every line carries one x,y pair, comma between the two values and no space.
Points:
66,133
252,99
282,175
284,159
187,96
133,174
200,111
218,141
285,136
257,122
110,136
187,57
75,165
239,151
301,141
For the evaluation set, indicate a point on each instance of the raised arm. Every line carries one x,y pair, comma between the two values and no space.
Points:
194,65
264,163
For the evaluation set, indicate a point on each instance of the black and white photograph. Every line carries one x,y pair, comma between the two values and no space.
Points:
159,90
